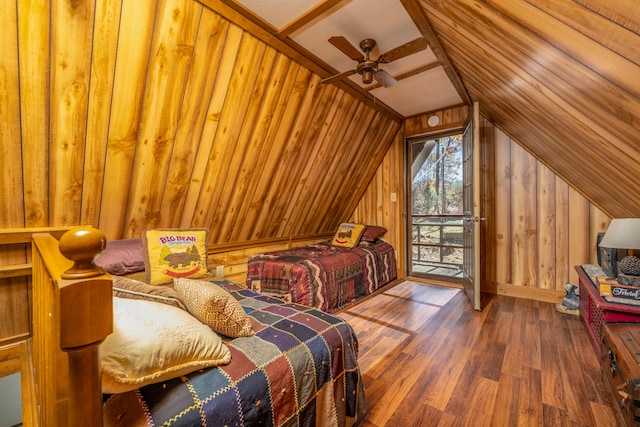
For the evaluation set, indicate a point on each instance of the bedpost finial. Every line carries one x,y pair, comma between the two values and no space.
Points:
82,245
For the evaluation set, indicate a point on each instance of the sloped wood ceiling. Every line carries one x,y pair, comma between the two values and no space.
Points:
562,77
134,114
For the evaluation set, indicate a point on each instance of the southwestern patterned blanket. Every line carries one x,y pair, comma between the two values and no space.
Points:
323,276
300,369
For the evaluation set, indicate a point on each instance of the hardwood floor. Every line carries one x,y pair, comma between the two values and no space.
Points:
429,359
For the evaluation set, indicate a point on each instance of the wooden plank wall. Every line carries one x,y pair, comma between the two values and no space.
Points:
134,114
538,227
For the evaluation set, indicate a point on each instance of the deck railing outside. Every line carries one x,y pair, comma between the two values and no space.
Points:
437,244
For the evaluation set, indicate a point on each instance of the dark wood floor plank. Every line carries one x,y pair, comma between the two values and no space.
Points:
533,357
517,349
530,413
451,362
419,415
482,403
552,390
590,366
507,401
429,359
575,390
439,326
468,380
400,379
603,415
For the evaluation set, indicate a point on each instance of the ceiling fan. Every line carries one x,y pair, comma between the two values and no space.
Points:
369,68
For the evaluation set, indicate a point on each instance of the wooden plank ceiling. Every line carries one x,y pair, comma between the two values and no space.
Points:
561,77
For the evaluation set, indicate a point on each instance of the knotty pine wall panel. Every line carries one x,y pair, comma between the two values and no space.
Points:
167,113
538,227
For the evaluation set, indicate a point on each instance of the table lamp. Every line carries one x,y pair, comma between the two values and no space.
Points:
624,233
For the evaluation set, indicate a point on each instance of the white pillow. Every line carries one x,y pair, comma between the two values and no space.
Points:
153,342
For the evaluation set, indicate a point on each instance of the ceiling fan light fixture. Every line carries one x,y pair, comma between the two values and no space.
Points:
369,68
367,77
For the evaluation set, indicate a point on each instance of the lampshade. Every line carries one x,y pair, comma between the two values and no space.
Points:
623,233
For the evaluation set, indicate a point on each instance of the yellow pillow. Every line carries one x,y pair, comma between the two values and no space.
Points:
348,235
153,342
214,306
172,253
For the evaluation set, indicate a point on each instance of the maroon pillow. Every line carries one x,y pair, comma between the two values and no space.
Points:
122,256
373,232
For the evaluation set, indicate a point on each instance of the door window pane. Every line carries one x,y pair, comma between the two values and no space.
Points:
436,206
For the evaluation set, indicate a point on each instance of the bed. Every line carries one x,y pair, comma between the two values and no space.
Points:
326,275
296,365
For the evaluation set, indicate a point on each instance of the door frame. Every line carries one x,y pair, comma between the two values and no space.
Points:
408,203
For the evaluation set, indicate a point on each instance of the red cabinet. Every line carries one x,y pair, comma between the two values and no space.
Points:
594,310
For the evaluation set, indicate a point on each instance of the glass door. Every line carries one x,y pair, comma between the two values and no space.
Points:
435,218
471,204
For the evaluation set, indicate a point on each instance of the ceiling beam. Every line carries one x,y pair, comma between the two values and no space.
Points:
316,13
420,18
410,73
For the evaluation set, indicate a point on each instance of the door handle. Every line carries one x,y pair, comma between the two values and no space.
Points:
475,218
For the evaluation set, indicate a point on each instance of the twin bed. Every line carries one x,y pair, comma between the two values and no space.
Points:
300,368
267,361
323,275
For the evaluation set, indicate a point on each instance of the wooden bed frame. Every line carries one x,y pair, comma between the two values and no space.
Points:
72,314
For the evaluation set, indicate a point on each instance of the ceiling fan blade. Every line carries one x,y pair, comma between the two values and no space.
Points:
337,77
406,49
384,78
347,48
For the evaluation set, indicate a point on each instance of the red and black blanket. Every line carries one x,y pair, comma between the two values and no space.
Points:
323,276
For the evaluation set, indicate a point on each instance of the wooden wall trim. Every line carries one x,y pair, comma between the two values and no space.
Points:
10,236
420,18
